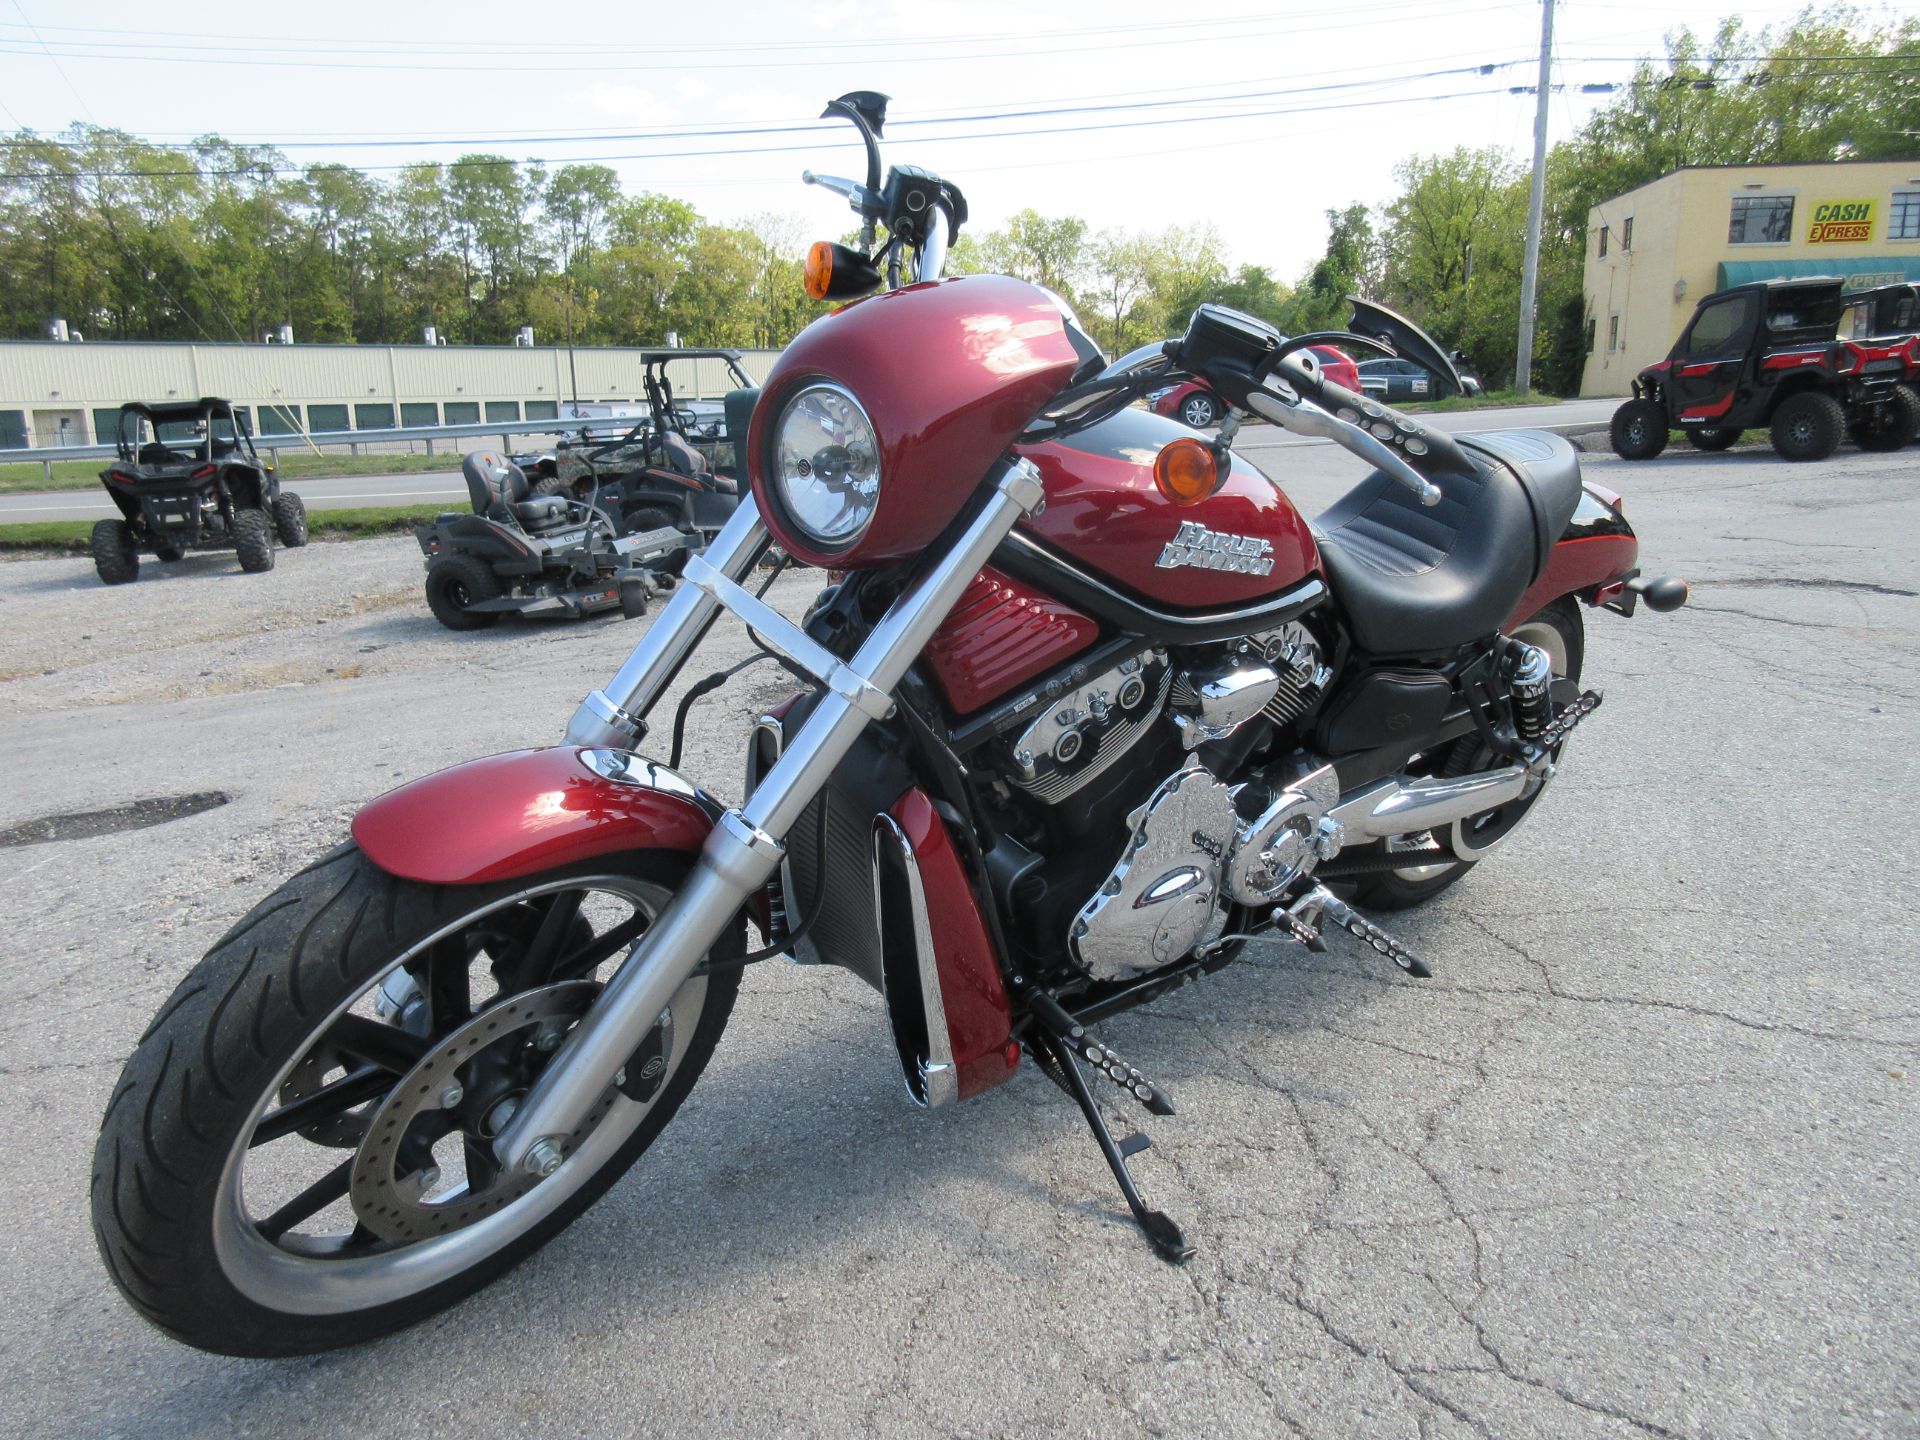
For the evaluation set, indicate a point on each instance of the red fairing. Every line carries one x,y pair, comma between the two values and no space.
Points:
1001,634
524,812
979,1020
1577,563
949,372
1105,514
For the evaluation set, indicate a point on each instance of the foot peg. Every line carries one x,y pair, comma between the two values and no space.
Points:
1058,1042
1322,902
1562,726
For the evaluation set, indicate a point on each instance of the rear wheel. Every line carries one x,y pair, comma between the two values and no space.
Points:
1713,438
1638,430
455,584
1560,632
298,1155
290,519
1889,425
1808,426
115,555
253,540
1199,410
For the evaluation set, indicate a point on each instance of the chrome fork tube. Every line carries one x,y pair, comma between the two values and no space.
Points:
744,848
616,716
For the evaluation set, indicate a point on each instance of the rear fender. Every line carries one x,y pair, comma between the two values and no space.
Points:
527,811
1597,548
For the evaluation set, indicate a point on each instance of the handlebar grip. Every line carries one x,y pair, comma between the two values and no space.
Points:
1423,447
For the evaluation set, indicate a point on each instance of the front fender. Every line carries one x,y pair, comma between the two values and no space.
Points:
527,811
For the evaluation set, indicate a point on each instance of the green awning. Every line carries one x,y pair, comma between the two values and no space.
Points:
1861,273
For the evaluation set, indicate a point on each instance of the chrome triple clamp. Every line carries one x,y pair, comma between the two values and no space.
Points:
1303,917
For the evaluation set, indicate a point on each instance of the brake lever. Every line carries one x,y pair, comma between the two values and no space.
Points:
1301,416
861,199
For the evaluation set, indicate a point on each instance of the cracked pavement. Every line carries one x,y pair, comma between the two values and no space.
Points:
1639,1160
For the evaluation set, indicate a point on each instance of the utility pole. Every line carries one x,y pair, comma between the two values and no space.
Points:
1536,203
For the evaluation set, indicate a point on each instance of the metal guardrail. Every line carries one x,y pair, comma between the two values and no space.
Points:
353,439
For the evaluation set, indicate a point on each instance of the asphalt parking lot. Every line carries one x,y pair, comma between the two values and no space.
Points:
1642,1159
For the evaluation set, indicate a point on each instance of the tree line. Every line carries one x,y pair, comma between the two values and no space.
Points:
127,240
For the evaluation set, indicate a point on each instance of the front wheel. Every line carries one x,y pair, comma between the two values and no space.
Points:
115,557
290,519
1199,411
298,1155
1638,430
1560,632
253,540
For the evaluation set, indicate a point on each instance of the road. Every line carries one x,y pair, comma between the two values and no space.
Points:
1643,1159
447,487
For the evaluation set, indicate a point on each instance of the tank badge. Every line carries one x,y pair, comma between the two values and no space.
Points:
1193,544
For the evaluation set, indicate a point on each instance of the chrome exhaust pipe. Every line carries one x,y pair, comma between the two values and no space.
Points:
1404,807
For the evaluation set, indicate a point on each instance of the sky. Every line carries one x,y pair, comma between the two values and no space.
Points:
1129,114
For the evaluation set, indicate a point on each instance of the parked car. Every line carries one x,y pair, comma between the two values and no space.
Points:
1769,354
1395,380
1196,405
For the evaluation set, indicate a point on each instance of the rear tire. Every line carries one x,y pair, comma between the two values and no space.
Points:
1561,632
1713,438
457,582
1638,430
290,520
183,1166
253,540
1889,426
1808,426
115,555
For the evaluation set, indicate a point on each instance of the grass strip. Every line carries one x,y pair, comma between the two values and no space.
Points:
71,537
294,465
1487,400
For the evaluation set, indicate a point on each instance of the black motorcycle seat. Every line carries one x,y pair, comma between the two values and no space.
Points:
1416,580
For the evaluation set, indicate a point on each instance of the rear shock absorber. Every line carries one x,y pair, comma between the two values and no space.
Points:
1531,686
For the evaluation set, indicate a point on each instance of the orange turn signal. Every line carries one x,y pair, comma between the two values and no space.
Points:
819,269
1186,471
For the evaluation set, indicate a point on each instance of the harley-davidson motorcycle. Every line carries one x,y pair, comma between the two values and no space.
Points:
1088,706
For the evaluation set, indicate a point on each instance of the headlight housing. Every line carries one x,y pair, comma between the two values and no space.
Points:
826,464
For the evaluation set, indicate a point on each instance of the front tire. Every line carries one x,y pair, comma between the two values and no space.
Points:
253,540
1713,439
1560,631
198,1149
1808,426
290,519
115,556
1638,430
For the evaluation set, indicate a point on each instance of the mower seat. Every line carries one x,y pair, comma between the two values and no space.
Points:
541,512
500,491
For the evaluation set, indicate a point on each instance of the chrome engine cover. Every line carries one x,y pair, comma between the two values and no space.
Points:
1082,732
1162,898
1283,843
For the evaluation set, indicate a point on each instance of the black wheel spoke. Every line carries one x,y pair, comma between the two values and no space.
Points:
449,989
618,938
372,1043
536,964
482,1167
309,1202
329,1100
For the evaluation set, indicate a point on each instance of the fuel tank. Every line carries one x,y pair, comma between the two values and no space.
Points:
1240,545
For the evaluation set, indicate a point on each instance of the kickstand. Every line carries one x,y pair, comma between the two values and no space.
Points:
1162,1232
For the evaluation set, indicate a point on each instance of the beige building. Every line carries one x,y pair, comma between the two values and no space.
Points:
67,393
1658,250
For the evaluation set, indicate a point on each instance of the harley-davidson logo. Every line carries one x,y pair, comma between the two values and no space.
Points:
1203,549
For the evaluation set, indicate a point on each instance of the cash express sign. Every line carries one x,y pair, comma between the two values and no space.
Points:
1838,222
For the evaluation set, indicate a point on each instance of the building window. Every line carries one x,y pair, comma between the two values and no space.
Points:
1760,220
1603,242
1903,219
279,419
13,429
373,417
1593,333
463,412
1626,233
543,410
419,412
106,427
1613,331
326,417
503,409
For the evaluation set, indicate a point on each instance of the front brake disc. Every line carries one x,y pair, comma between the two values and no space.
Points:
398,1198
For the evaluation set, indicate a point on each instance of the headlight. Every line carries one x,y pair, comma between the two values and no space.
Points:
826,463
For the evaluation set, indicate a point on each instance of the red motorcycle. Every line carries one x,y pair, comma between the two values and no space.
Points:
1091,707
